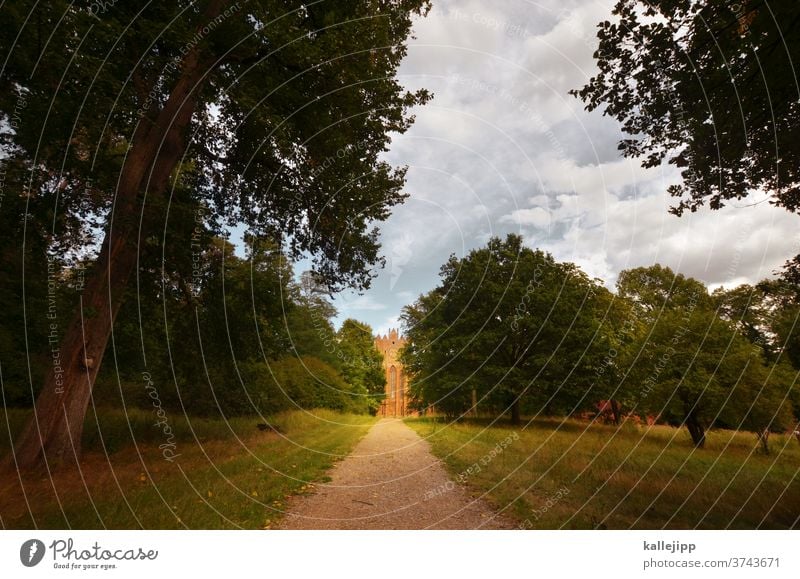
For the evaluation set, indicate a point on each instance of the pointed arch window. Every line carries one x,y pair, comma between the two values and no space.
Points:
392,381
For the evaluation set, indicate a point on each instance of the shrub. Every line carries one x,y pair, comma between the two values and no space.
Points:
305,382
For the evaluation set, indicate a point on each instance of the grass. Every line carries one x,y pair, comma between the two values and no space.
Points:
577,475
228,475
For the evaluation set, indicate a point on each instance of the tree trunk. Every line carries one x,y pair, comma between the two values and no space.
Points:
515,417
53,435
616,412
763,438
696,430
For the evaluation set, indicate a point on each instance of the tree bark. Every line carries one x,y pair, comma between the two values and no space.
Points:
615,411
53,435
763,438
515,415
696,430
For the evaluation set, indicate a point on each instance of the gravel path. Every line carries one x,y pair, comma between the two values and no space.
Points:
391,481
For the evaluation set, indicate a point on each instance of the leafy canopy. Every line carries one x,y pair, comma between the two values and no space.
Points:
294,104
710,87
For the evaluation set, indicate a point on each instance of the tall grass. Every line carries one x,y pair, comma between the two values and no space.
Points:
229,473
572,474
110,430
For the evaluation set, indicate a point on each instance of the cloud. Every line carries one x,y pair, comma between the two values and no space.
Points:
392,323
504,148
358,303
536,217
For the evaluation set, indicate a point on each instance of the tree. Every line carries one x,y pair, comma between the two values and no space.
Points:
193,320
510,323
620,328
305,382
273,114
767,402
767,315
747,308
310,325
26,355
780,302
692,366
361,362
710,87
432,379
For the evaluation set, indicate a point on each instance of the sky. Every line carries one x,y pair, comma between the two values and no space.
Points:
503,147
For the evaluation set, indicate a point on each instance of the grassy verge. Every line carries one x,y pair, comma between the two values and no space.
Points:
228,473
571,474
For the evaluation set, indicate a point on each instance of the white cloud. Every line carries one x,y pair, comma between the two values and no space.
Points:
537,217
359,303
504,148
392,323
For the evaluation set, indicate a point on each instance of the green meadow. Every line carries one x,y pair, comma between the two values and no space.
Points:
228,475
570,474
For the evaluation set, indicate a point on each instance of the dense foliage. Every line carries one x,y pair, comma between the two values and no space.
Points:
243,337
520,333
129,129
709,87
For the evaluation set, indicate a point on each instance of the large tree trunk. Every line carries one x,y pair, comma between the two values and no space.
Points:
53,435
696,430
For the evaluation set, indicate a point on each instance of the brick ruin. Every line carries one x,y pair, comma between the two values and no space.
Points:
396,402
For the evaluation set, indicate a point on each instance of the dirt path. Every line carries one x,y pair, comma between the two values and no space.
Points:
391,481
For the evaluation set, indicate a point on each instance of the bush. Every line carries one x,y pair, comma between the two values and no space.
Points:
305,382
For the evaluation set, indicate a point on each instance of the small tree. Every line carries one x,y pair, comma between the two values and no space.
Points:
361,362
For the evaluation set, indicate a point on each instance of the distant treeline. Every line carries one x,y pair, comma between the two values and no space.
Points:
518,332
